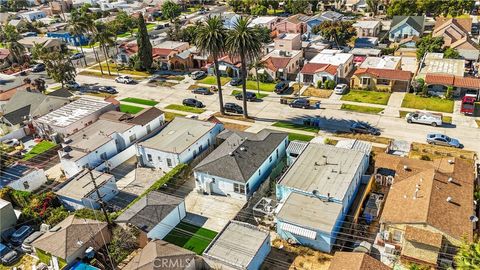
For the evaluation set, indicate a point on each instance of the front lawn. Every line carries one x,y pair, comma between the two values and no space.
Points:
184,108
140,101
190,237
120,69
130,109
212,80
290,125
365,96
252,85
361,109
259,95
428,103
38,149
299,137
315,92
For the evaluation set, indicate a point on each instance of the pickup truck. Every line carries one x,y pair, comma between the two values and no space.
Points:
427,118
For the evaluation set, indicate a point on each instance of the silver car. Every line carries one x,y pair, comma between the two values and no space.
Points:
340,89
444,140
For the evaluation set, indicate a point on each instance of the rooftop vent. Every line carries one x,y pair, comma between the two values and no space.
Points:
243,149
405,167
451,161
449,199
230,154
450,179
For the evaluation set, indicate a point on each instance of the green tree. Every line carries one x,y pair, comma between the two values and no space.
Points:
58,65
429,44
455,7
373,6
418,85
56,215
144,45
16,5
449,94
243,41
296,6
274,4
259,10
235,4
340,32
175,32
256,65
105,38
264,33
170,10
123,242
451,53
10,38
210,40
402,7
468,256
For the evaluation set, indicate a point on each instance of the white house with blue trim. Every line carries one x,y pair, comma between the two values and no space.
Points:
316,193
406,26
241,163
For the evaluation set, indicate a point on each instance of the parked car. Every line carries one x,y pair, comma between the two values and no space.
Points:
77,56
440,139
233,108
72,85
3,250
202,91
191,102
124,79
159,27
433,119
19,235
300,103
156,78
198,75
11,142
364,128
281,87
108,90
10,258
249,97
340,89
236,81
27,243
38,68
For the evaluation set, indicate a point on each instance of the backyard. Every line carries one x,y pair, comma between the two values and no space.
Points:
146,102
365,96
130,109
190,237
212,80
38,149
252,85
184,108
428,103
361,109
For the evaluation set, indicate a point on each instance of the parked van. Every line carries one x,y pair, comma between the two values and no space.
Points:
27,243
19,235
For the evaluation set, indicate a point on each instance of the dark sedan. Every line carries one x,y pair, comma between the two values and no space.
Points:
300,103
250,96
202,91
108,90
38,68
236,81
281,87
363,128
233,108
191,102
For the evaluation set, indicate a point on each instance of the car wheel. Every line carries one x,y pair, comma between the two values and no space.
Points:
432,143
304,107
409,121
125,82
434,124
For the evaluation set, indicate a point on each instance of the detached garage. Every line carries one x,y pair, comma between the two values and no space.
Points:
155,215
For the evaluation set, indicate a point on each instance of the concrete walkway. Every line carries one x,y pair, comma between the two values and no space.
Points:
394,104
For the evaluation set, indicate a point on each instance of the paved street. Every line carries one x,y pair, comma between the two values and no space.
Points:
270,110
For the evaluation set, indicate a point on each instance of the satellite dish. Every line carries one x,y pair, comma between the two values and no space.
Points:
473,218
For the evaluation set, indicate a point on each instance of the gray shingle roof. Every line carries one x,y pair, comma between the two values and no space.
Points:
416,22
240,155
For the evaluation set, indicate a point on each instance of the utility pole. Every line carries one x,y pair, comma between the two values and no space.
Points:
99,200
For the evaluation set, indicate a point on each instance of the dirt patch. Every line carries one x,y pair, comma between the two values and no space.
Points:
431,152
315,92
365,137
234,126
237,117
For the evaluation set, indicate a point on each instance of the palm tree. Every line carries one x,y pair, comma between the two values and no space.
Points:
106,38
10,37
210,39
77,27
92,31
243,41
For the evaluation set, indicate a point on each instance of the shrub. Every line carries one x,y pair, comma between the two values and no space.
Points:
319,84
449,94
329,84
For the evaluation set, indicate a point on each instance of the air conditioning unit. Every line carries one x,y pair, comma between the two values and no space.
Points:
379,179
389,180
445,263
390,249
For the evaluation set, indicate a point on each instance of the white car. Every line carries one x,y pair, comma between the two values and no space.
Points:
124,79
433,119
72,85
340,89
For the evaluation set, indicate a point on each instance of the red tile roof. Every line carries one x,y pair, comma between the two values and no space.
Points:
235,61
450,80
276,63
312,68
389,74
161,52
439,79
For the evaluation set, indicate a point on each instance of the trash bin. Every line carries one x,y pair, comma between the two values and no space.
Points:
283,101
317,104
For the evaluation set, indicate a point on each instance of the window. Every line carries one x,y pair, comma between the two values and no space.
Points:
169,162
159,159
397,236
237,188
270,159
149,157
200,148
383,82
103,156
365,81
133,138
248,188
276,151
259,172
149,129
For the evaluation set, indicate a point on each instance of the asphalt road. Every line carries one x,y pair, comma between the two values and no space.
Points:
270,110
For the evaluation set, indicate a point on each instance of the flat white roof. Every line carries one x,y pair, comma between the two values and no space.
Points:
435,64
366,24
169,44
81,185
262,20
384,62
327,169
332,57
73,112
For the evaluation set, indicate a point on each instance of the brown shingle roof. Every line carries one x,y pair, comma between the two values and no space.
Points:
430,202
422,236
355,261
389,74
443,22
146,116
276,63
312,68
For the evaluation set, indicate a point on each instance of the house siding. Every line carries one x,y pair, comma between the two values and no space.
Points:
402,32
168,223
262,253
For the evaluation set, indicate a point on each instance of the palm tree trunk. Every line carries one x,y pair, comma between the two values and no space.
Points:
244,84
258,81
98,59
84,56
106,59
219,85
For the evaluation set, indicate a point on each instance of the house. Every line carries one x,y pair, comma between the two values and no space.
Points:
367,28
281,64
8,219
313,73
439,83
344,61
6,58
32,15
72,117
22,177
50,44
294,24
115,132
355,261
406,26
74,40
80,191
441,192
223,251
360,54
360,5
332,16
382,79
241,163
455,33
288,42
162,255
383,62
227,66
181,141
163,52
265,21
26,105
316,193
67,241
434,63
154,214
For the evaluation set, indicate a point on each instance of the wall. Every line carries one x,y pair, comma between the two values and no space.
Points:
322,241
261,254
7,216
400,33
17,134
118,159
168,223
34,180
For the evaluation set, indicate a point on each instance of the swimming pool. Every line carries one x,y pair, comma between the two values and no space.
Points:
83,266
